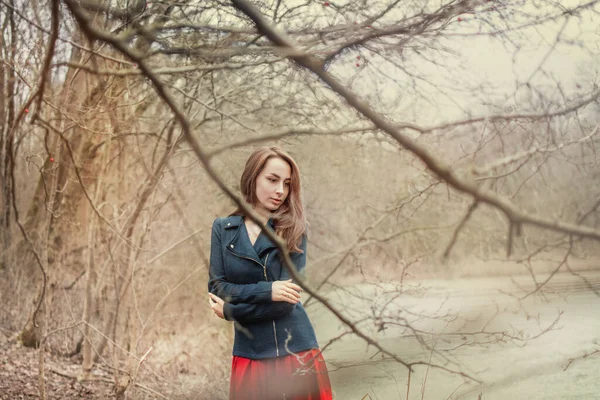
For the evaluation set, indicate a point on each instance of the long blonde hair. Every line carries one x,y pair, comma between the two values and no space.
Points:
290,221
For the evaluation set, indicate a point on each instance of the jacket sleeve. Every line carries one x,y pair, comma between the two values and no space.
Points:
231,292
246,313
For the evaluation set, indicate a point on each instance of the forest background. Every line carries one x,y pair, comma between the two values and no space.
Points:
437,139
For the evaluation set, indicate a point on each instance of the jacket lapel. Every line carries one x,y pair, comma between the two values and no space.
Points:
239,244
263,243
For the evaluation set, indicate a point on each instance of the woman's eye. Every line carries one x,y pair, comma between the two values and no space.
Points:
287,184
272,180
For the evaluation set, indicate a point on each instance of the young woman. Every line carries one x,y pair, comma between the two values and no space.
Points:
275,350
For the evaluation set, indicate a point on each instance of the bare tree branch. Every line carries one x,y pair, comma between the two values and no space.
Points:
459,228
96,34
444,171
45,74
516,157
165,71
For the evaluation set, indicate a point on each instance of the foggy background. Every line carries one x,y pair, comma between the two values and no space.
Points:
103,192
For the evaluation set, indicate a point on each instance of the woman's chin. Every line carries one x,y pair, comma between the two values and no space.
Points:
272,207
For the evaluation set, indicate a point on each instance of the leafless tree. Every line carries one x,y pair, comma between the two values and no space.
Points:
129,118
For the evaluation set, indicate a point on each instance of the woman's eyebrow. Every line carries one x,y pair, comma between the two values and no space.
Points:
277,176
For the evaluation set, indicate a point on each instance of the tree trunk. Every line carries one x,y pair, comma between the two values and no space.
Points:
7,117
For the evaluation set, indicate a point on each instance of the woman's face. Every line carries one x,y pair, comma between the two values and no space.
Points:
272,185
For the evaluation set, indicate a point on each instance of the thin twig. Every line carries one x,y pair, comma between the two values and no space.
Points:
408,384
162,71
509,238
45,72
459,228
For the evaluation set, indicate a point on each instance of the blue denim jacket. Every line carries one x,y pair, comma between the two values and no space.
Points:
242,275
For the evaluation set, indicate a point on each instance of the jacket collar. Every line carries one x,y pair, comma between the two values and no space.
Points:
234,221
240,242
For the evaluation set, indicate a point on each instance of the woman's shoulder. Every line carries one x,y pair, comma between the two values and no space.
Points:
229,221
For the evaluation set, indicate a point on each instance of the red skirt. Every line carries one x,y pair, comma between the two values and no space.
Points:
300,376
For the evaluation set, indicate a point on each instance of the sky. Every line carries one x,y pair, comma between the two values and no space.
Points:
490,68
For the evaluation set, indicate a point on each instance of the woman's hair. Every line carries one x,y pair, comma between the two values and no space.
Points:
290,222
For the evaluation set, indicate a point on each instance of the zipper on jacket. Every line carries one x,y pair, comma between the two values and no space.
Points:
275,334
265,267
274,327
244,257
266,279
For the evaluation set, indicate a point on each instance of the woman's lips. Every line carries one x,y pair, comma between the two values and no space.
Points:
276,201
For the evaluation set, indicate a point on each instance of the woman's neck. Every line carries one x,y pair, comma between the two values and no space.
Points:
263,215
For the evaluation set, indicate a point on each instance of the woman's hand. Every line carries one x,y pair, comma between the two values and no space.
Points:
286,291
216,303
